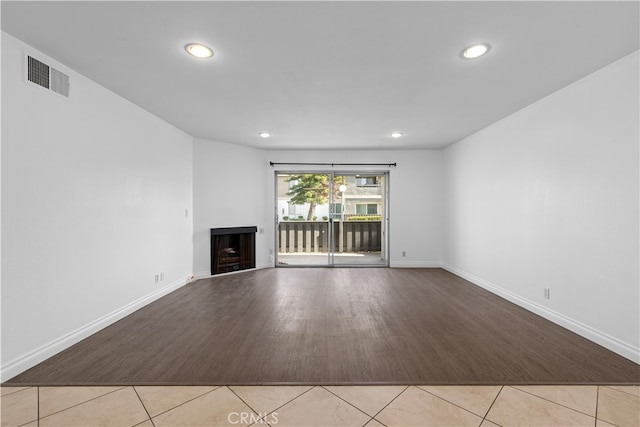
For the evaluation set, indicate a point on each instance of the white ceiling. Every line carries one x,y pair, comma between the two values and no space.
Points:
330,75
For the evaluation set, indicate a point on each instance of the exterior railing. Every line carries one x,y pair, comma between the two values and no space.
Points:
313,236
361,217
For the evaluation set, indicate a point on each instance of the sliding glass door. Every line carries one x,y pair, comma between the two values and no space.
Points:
331,219
360,228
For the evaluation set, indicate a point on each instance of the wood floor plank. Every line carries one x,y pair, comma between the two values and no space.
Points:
333,326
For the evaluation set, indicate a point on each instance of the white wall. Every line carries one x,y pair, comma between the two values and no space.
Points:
94,192
416,198
229,190
548,198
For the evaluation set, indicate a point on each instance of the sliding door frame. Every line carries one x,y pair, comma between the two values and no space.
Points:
384,250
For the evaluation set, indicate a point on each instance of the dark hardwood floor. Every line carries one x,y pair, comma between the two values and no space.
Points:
333,326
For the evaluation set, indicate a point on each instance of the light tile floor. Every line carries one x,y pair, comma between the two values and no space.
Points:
371,406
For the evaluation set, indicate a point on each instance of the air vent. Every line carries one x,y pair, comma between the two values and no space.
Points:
38,72
48,77
59,82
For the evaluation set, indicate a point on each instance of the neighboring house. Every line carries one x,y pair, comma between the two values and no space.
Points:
363,196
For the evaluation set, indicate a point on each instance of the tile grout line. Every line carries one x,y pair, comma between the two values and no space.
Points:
38,411
491,406
368,421
597,400
249,406
145,408
385,406
14,392
349,403
183,403
621,391
300,395
455,404
270,412
597,397
77,404
551,401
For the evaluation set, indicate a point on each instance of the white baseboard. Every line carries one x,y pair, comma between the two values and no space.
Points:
622,348
202,275
40,354
265,265
415,264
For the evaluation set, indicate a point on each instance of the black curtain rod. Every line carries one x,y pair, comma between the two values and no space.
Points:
333,164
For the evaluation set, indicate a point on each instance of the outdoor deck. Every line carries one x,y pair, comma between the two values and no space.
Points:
351,259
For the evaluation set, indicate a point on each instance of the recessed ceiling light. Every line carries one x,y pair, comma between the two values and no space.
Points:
264,134
475,51
199,50
396,134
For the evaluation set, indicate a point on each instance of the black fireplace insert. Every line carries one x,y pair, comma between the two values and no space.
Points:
233,249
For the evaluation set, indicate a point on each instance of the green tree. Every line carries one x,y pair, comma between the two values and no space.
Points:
312,189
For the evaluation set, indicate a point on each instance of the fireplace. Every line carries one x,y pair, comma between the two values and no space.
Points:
233,249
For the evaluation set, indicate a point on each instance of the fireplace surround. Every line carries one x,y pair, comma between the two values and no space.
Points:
233,249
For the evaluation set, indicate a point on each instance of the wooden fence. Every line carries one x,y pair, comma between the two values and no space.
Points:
312,236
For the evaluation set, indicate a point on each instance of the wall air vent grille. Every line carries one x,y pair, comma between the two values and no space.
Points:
38,72
47,77
59,82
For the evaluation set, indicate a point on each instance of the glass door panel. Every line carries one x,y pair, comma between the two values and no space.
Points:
360,230
304,236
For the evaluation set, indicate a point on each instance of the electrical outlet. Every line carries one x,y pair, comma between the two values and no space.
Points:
157,278
547,294
404,253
